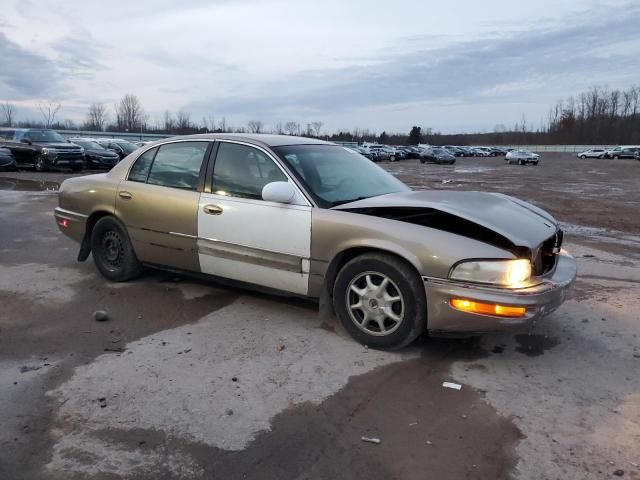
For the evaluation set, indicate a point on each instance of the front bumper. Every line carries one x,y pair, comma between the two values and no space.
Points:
539,300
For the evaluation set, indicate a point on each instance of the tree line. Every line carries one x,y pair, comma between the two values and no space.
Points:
599,115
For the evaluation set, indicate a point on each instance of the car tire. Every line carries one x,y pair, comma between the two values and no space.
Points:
583,157
601,156
39,164
521,162
112,251
422,160
408,309
392,158
616,157
535,163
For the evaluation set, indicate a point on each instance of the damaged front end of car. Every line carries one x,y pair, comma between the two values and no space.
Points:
484,294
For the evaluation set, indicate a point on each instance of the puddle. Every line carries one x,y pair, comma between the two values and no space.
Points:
534,345
21,184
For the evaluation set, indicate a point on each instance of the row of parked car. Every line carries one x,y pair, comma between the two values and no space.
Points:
628,151
43,149
445,154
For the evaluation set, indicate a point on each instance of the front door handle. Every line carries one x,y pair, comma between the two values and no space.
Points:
125,195
212,209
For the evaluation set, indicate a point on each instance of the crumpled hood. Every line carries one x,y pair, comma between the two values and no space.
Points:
520,222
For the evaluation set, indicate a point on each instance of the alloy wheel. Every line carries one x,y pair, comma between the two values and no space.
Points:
375,303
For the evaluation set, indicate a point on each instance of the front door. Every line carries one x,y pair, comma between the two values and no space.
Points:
241,236
158,203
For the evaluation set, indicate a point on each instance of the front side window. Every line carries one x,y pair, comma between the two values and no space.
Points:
178,165
334,175
242,171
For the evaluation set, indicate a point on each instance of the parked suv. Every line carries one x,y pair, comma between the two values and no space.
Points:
41,148
622,152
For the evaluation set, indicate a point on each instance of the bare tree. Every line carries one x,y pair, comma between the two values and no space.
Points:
129,113
168,121
8,114
223,124
183,120
49,110
317,126
255,126
279,128
96,116
292,128
212,123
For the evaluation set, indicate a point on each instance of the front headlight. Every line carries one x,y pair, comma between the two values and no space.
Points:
45,151
506,273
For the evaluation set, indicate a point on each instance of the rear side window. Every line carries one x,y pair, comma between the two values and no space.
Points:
140,169
177,165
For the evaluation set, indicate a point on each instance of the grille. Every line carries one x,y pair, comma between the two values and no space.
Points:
547,256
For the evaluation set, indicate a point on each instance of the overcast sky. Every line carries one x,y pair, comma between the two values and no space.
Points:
454,65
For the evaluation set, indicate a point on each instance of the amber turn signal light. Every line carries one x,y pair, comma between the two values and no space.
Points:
487,308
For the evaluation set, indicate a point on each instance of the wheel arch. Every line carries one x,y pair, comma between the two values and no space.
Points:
349,253
85,245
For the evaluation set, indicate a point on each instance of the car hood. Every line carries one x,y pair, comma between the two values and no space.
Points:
101,153
519,222
59,145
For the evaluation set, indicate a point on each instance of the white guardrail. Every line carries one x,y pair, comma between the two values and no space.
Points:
561,148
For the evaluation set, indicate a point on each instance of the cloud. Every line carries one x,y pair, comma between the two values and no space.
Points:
25,75
538,65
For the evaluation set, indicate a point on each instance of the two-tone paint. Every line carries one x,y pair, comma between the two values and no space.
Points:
298,247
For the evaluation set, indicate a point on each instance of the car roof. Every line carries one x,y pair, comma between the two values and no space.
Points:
262,139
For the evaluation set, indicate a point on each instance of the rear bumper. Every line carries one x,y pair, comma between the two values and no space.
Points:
72,224
539,301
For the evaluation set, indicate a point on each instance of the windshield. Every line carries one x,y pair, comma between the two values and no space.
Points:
45,136
334,175
88,145
127,147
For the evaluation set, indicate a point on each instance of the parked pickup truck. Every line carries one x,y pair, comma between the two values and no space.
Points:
41,148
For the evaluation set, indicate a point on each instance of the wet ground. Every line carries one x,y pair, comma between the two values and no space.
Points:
189,379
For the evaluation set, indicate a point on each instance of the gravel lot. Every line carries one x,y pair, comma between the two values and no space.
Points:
196,380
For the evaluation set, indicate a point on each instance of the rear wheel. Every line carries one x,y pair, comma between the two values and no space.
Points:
112,251
380,301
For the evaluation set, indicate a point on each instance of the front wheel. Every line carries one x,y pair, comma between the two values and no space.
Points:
380,301
583,157
112,251
39,164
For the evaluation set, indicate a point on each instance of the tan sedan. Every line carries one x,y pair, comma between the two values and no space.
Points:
315,219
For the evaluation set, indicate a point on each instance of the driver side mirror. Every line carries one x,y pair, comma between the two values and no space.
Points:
279,192
26,140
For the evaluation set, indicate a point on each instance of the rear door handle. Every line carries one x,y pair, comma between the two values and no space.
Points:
212,209
125,195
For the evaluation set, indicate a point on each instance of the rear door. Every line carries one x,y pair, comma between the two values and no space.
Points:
158,202
243,237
